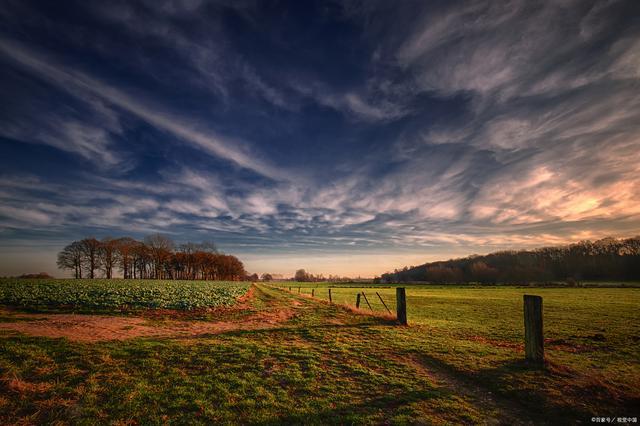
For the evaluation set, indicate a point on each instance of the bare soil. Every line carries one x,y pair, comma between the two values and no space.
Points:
95,328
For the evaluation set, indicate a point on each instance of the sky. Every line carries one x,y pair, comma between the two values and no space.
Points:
345,138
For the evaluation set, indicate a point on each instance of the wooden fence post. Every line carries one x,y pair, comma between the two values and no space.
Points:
298,290
289,288
330,296
358,301
312,292
401,303
533,336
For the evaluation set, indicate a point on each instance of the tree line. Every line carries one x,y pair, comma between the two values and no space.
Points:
156,257
606,259
302,275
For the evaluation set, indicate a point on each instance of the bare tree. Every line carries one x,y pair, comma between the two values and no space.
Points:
71,257
125,248
302,275
141,260
90,248
108,252
188,259
160,249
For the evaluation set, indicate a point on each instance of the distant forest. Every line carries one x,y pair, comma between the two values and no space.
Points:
156,257
602,260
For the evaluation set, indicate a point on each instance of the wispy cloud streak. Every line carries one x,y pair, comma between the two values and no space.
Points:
210,142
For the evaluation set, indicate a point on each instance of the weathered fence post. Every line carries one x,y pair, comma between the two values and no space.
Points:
330,296
358,301
298,290
401,304
533,336
289,288
312,292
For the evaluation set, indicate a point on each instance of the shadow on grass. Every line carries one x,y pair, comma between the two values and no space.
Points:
529,389
378,410
248,333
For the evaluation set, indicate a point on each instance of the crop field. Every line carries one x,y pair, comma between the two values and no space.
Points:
279,357
119,294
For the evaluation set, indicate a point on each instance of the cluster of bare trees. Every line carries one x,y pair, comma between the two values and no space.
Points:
264,277
303,276
606,259
156,257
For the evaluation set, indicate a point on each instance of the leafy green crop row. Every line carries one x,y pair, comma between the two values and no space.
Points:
115,294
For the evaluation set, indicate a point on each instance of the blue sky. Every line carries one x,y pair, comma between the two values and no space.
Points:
342,137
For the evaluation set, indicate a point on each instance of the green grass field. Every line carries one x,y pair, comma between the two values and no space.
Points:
459,361
592,335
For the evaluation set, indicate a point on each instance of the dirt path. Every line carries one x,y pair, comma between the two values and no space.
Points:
95,328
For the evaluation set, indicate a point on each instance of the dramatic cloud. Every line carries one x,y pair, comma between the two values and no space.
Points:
315,132
79,85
